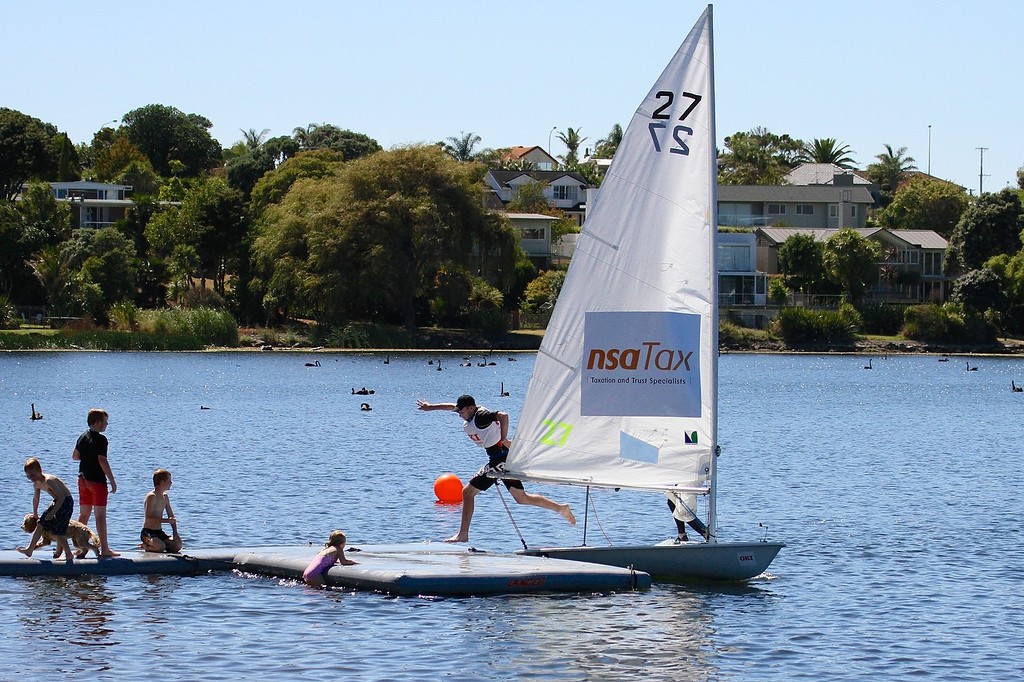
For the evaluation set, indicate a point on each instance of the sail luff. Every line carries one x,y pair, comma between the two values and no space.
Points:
713,254
623,389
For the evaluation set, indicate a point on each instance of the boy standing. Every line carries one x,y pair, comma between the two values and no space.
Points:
93,472
56,517
153,538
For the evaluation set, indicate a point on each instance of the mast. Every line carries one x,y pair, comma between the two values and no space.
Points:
713,218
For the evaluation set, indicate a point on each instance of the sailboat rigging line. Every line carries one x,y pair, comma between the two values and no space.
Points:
593,505
586,515
501,496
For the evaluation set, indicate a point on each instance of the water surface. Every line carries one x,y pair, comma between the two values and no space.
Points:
895,489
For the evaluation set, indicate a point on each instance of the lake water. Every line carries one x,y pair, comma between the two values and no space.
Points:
896,489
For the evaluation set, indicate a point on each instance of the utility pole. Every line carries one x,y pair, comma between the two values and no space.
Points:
981,169
929,149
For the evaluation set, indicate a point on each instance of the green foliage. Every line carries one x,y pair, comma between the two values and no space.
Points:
572,141
945,324
881,318
351,145
274,185
801,260
529,198
461,147
608,145
8,315
174,142
890,169
926,204
205,326
990,226
978,291
543,291
826,150
731,334
778,292
366,242
852,261
124,316
800,326
759,157
1010,270
26,151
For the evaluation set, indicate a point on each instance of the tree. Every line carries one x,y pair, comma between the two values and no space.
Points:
890,169
826,150
572,141
1010,270
112,160
34,222
926,204
274,184
367,242
978,291
529,198
759,157
26,151
326,136
166,135
105,258
607,146
990,226
852,261
542,292
461,148
801,261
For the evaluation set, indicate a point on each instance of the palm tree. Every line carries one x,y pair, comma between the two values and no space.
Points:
461,148
302,135
890,169
253,140
605,148
572,141
826,150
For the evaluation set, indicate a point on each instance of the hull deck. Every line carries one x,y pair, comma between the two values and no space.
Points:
408,569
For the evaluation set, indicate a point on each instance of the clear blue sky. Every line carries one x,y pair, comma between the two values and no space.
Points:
866,73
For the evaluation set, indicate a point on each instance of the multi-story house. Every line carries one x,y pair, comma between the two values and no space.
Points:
93,204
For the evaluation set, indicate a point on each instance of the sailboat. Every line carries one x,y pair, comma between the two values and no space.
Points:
624,390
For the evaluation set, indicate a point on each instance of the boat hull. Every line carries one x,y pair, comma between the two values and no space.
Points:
729,561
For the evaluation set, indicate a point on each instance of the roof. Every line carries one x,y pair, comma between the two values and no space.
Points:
520,152
924,239
822,174
504,177
530,216
811,194
820,234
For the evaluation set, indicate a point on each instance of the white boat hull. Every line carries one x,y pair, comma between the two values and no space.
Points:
730,561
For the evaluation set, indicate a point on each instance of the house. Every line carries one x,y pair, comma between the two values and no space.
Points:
806,206
911,269
94,204
535,156
739,281
565,190
535,229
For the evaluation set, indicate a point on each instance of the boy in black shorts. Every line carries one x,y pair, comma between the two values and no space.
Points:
489,430
153,537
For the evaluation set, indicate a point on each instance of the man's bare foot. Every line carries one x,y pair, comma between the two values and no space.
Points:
565,511
458,538
109,554
24,550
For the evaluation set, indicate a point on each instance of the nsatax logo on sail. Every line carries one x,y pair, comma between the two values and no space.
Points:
639,364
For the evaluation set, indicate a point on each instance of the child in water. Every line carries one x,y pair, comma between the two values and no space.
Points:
332,553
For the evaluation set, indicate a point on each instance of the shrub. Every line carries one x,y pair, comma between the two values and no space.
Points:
8,315
802,326
946,324
881,318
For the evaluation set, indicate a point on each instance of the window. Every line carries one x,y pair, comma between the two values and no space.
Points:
833,210
933,263
565,192
853,210
776,209
805,209
533,233
733,258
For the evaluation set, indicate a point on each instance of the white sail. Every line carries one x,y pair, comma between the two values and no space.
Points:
624,390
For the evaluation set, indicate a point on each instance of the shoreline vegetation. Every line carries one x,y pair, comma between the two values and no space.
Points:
382,338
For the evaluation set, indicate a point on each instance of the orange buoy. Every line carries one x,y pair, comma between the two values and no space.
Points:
448,489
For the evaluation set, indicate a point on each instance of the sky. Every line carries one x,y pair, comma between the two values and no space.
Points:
939,77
